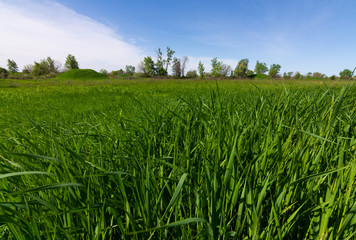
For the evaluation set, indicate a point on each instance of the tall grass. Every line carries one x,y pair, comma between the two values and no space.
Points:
177,162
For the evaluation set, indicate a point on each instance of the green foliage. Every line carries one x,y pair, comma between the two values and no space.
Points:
261,67
241,68
149,66
12,66
3,73
261,76
130,70
201,70
71,62
81,74
104,72
192,74
45,67
346,74
176,68
274,70
215,67
250,74
298,75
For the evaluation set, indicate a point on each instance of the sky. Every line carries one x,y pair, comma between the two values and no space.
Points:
300,35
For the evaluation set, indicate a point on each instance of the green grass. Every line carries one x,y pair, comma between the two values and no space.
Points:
178,160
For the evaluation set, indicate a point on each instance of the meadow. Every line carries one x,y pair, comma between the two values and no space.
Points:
177,159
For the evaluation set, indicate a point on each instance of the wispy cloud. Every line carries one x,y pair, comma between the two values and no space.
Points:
32,30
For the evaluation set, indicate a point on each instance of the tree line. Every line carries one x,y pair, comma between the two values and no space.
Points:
148,68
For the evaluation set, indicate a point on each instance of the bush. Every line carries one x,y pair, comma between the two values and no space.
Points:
3,73
192,74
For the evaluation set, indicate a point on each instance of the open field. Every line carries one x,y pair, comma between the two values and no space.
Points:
157,159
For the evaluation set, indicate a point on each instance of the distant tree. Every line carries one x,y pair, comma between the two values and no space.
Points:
71,63
176,67
346,74
12,66
104,71
318,75
53,66
261,67
159,65
3,73
201,70
27,68
287,75
149,66
168,60
241,68
250,74
298,75
130,70
183,62
215,67
225,70
274,70
192,74
44,67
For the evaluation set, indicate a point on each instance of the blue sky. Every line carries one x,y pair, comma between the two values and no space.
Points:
304,35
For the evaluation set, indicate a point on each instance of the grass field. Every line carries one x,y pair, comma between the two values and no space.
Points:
162,159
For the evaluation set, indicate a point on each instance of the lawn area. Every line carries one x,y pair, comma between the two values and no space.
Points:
177,159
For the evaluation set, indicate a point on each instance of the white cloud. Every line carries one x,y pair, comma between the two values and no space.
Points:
33,30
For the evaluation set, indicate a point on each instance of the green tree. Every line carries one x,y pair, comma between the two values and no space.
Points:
216,67
176,67
274,70
225,70
261,67
168,60
12,66
160,70
201,70
192,74
71,63
3,73
241,68
346,74
130,70
45,67
149,66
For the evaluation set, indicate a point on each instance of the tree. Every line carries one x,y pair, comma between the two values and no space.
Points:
261,67
149,66
215,67
12,66
27,68
346,74
71,63
201,70
3,73
44,67
192,74
104,71
130,70
241,68
176,67
274,70
183,62
53,67
160,70
170,53
225,70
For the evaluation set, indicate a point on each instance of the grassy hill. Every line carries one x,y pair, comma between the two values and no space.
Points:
81,74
